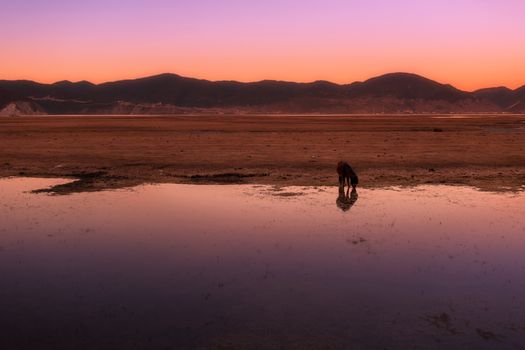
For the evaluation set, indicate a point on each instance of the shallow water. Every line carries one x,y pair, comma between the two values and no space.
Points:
181,266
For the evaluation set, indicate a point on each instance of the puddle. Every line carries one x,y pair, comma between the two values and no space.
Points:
189,266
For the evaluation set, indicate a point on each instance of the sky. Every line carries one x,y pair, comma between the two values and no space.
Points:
468,43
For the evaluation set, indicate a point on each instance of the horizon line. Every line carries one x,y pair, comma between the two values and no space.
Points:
257,81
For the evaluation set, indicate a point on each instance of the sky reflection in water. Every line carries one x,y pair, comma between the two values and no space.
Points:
207,266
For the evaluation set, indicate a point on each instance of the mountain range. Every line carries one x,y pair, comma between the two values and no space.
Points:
174,94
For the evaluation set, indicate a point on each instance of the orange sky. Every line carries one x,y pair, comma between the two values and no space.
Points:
467,43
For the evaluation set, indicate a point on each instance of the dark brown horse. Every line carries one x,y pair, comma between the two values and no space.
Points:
346,173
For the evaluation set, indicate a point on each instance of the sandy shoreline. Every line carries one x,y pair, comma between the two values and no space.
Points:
104,152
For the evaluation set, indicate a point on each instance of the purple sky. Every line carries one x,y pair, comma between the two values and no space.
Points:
467,43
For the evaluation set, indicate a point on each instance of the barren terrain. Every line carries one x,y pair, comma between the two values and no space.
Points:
485,151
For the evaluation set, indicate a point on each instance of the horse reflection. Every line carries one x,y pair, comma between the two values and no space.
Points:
345,201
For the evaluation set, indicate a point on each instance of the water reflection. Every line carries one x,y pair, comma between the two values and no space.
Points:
210,267
345,200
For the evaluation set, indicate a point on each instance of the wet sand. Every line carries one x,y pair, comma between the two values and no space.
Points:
486,151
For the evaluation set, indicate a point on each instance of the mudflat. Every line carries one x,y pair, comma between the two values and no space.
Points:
103,152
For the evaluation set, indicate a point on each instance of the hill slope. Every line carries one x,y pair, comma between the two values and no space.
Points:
171,93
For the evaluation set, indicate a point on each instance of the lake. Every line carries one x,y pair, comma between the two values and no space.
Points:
256,267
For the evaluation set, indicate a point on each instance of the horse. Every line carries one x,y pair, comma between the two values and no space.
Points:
346,173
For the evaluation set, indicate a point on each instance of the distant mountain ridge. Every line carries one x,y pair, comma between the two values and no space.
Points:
174,94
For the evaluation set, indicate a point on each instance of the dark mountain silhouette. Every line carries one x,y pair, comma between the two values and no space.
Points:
501,96
171,93
507,99
407,86
5,97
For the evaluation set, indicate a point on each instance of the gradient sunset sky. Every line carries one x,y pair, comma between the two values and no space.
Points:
467,43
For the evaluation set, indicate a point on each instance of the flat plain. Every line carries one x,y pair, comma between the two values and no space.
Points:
103,152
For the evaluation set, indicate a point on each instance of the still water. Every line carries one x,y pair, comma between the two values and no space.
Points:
251,267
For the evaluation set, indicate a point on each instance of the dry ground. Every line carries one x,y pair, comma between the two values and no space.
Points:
111,152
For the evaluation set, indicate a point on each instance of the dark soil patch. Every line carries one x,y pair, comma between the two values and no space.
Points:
86,182
488,335
228,178
442,321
